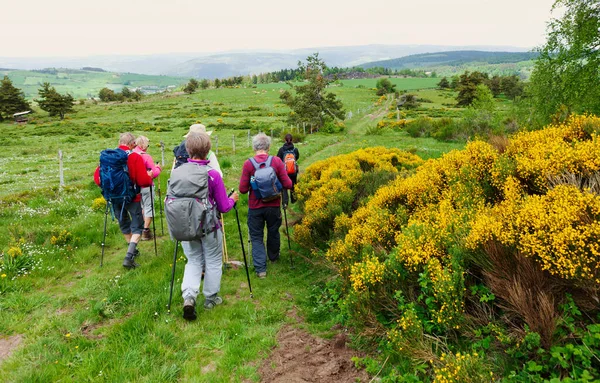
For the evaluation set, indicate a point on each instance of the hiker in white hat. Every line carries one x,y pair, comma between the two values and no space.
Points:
181,154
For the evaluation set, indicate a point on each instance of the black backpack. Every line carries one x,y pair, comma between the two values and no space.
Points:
181,155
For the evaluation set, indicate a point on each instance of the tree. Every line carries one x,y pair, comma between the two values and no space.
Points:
511,86
385,86
495,85
217,83
53,102
444,83
191,86
566,72
106,95
127,93
312,104
204,84
467,87
12,100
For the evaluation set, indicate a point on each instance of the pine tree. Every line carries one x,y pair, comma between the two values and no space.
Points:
53,102
12,99
312,104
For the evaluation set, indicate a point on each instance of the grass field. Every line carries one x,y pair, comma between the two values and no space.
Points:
84,84
79,322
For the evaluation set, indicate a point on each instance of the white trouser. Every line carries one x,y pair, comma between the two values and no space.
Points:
208,255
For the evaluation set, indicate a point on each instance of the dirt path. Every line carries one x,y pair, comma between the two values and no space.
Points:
301,357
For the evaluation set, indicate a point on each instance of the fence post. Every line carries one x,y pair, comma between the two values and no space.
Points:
60,169
162,153
271,133
217,145
233,143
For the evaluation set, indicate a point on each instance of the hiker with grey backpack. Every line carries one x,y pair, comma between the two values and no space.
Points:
264,177
121,174
195,195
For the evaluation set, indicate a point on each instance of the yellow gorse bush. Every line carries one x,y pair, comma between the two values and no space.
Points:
417,237
329,186
462,368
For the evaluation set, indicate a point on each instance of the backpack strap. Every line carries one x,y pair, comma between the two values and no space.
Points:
268,161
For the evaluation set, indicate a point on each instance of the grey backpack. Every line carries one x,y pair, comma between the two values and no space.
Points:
190,215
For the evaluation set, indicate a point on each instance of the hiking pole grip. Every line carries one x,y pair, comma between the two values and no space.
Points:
237,217
173,276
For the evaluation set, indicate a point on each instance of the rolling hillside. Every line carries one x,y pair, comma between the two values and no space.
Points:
87,83
452,58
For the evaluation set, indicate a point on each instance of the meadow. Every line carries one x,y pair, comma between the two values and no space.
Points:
84,83
76,321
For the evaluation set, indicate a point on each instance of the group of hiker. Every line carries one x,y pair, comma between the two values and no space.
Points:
195,199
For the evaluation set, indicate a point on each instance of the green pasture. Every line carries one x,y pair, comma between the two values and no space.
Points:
78,321
84,84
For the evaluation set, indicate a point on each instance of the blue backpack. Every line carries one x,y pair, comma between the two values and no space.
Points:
264,182
114,177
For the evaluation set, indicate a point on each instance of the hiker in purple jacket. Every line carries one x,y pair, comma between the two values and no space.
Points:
206,253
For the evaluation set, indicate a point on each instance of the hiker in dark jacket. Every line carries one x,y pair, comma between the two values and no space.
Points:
290,166
181,154
260,212
131,222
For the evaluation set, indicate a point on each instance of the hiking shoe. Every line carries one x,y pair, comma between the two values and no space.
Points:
210,304
262,275
147,235
189,309
129,263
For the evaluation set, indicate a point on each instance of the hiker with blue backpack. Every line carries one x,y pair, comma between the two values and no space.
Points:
195,195
263,177
120,175
290,156
181,154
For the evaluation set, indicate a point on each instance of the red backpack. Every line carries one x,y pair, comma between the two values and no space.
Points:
289,159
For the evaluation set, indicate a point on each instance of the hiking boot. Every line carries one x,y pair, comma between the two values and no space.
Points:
262,275
147,235
129,263
189,309
211,303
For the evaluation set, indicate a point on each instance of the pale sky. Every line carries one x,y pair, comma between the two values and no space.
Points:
99,27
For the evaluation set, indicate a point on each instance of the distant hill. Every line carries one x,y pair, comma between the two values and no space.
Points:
225,64
87,83
452,58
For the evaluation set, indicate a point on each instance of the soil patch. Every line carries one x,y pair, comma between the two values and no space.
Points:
8,345
301,357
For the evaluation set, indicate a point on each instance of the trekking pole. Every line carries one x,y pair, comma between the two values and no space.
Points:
225,255
153,220
162,229
237,217
104,237
173,276
288,236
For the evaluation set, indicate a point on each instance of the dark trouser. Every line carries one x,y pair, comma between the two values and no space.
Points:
284,192
256,224
131,221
